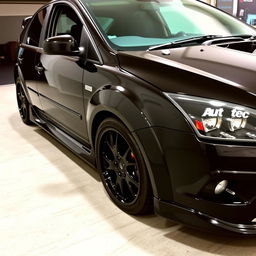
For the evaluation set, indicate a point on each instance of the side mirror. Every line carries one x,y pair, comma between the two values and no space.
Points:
61,45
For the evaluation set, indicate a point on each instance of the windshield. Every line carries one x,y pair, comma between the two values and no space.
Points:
138,24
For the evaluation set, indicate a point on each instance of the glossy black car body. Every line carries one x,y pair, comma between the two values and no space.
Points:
77,85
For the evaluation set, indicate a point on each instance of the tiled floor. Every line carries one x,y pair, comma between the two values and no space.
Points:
53,204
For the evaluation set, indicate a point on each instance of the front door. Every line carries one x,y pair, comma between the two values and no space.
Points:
60,86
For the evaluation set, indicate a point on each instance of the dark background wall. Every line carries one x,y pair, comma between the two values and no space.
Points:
11,16
10,27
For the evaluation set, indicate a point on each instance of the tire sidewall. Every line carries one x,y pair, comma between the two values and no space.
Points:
138,206
20,89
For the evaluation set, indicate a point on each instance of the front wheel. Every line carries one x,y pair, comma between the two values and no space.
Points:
122,168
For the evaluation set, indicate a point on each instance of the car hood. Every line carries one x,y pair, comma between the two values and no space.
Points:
207,71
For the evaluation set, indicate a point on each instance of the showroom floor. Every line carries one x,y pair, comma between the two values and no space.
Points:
53,204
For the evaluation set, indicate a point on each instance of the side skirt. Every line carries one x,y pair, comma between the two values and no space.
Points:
82,150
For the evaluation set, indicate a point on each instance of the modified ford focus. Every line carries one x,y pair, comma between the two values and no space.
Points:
158,96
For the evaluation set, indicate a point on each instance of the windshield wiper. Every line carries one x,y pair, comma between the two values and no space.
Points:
197,39
224,39
207,39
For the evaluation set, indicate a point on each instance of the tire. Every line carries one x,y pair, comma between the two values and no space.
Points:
122,168
23,105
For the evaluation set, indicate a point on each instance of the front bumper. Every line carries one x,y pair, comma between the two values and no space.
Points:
184,172
197,219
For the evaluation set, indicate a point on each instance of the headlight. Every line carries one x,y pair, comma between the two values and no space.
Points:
217,119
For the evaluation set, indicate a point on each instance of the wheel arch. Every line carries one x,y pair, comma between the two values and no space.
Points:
110,102
98,119
101,108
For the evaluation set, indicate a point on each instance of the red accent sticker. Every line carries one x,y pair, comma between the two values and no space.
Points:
199,125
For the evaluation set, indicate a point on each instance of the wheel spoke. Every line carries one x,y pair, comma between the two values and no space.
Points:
111,148
121,186
119,189
111,165
133,193
111,144
126,153
112,140
130,179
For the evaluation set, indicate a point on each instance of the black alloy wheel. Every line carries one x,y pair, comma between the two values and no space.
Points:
23,104
122,169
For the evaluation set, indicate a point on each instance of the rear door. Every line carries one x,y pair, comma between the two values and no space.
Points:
28,50
61,87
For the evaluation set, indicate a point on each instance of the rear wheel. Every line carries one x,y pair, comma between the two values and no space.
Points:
23,104
122,169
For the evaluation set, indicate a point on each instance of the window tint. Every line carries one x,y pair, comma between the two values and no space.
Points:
35,29
67,22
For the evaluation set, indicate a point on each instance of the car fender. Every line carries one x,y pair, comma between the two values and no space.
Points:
119,103
110,101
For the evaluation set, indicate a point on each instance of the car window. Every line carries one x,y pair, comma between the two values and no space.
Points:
105,22
35,28
67,23
185,17
137,24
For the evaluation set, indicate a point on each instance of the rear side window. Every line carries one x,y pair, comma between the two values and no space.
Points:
35,29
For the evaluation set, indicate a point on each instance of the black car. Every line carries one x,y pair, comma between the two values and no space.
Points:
160,96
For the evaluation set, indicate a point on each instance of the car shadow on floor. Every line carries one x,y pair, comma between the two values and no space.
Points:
217,243
167,231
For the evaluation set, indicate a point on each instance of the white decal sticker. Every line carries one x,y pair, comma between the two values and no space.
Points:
235,113
211,112
88,88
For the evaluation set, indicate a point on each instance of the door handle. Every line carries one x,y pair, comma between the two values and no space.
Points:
40,69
